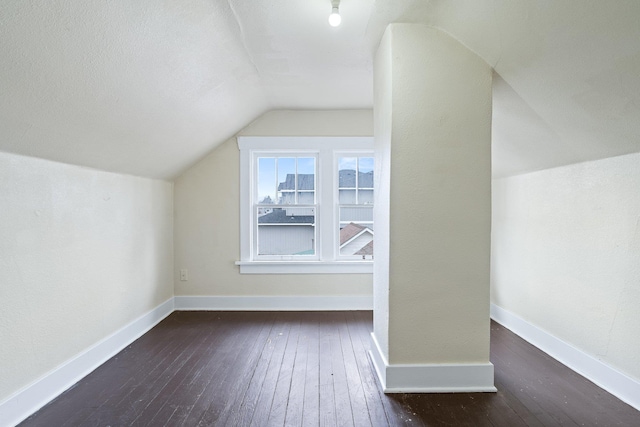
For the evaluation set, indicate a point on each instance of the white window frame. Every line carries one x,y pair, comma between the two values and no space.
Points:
327,150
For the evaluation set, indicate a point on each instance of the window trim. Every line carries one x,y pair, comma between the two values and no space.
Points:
327,148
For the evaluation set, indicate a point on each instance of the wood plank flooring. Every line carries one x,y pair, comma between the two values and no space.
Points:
311,369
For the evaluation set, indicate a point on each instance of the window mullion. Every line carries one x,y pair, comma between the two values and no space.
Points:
357,176
325,206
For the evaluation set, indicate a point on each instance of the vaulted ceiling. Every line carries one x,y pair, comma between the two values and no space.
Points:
148,87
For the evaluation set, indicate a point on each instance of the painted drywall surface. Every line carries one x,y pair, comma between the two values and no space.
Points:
382,87
207,212
115,85
440,199
86,81
312,123
82,253
565,255
573,65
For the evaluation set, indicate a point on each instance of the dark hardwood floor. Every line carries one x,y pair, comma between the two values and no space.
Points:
311,369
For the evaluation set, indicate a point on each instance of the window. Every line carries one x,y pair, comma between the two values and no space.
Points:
355,206
306,204
285,206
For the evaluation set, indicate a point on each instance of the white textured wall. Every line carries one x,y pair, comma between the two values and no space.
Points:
436,136
82,253
207,212
566,255
382,87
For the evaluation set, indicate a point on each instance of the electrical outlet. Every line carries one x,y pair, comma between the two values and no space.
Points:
184,275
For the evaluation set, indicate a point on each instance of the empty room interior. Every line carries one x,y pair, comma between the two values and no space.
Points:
191,190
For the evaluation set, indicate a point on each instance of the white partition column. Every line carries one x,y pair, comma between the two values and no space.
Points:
432,213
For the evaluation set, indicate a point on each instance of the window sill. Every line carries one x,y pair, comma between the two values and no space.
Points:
305,267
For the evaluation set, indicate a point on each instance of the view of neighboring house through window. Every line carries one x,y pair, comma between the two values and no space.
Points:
306,204
355,206
286,206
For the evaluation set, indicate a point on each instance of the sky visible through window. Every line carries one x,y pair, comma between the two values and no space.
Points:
351,163
271,167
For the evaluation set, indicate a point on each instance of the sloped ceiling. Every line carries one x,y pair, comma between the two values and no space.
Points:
148,87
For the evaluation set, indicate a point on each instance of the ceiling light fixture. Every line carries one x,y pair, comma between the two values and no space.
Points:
334,18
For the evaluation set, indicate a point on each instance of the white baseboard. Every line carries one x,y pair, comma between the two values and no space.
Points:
274,303
431,378
623,387
28,400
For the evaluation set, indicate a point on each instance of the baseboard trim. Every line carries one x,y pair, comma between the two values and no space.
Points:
274,303
379,361
19,406
431,378
620,385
